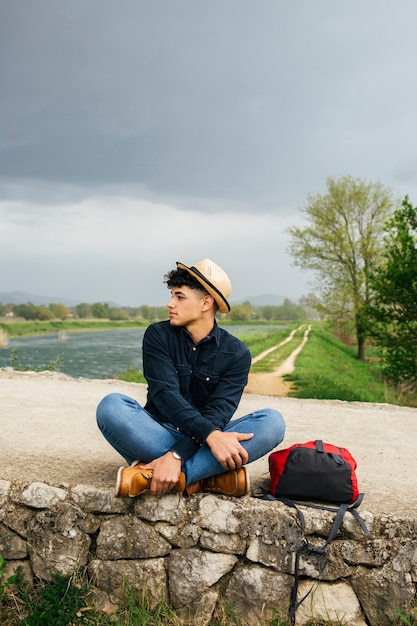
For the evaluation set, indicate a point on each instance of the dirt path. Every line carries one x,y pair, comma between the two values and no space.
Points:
273,383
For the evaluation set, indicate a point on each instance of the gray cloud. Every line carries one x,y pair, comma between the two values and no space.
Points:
231,99
210,108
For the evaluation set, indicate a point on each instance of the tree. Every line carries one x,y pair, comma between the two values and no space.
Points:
291,311
44,313
147,312
58,310
118,314
394,308
241,312
83,310
312,306
268,312
28,311
343,238
100,310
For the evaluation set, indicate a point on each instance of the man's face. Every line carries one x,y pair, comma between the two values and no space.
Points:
186,305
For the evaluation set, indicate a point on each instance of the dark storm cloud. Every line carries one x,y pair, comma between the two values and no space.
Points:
134,133
232,100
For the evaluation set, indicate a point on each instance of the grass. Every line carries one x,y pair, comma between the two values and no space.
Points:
68,601
22,328
29,329
131,375
328,369
258,340
272,360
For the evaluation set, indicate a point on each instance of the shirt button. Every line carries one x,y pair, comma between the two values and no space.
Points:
194,348
207,379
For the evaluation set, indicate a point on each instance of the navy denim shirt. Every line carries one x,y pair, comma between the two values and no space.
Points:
195,387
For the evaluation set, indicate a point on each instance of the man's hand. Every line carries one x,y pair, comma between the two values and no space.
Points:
166,472
226,448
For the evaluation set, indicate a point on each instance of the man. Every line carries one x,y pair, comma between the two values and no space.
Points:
196,372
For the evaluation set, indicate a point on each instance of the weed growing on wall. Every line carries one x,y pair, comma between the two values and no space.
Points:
67,601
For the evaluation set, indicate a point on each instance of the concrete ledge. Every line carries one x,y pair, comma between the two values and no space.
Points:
49,434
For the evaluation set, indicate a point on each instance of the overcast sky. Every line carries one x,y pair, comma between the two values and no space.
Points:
134,134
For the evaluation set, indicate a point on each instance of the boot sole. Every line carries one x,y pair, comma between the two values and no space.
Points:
118,481
119,478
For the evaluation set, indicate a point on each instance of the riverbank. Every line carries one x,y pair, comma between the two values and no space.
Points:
22,328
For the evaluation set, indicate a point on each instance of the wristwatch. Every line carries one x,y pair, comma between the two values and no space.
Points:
176,455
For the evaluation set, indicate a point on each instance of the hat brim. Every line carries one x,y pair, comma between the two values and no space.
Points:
222,303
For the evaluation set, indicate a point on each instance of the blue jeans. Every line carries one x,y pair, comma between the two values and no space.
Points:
136,435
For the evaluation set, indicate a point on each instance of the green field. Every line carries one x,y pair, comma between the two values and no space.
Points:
326,368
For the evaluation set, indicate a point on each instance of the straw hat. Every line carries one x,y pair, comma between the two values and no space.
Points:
214,280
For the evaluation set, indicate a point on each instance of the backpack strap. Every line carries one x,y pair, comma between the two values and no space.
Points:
292,609
306,545
340,511
337,457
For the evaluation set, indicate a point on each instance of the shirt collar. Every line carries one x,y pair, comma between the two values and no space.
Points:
213,334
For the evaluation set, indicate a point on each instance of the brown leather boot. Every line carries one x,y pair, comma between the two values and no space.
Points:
133,481
124,478
233,483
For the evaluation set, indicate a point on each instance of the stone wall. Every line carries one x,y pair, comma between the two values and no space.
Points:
206,552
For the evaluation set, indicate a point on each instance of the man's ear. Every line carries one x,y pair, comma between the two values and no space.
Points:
208,302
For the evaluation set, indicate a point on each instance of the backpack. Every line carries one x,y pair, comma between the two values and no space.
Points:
319,472
314,471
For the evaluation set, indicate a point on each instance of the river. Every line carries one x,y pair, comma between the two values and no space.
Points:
100,354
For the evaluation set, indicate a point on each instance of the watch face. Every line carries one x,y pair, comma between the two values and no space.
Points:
176,455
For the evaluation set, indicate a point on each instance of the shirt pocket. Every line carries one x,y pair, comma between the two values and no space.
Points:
184,378
203,385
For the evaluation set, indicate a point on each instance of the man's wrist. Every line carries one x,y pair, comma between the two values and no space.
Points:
215,430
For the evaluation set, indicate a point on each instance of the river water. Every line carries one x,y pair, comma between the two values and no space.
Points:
100,354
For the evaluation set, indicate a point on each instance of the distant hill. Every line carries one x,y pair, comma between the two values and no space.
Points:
21,297
264,300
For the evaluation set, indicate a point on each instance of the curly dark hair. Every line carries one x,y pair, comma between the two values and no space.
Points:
180,277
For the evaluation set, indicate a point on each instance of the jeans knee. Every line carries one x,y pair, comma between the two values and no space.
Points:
276,425
106,408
